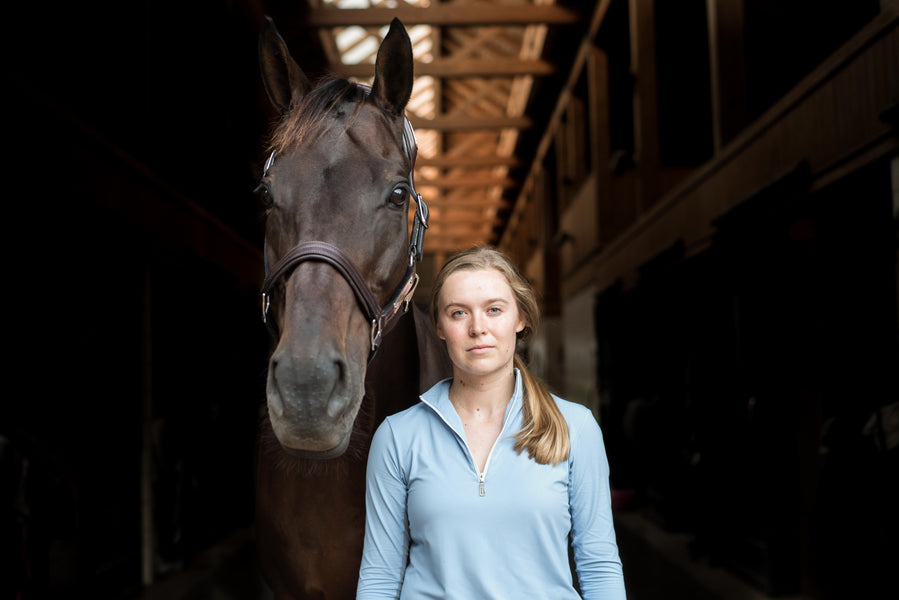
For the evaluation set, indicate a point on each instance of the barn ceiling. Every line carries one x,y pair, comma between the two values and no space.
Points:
487,75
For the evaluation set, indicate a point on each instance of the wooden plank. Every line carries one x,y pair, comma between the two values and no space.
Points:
600,125
451,212
458,68
478,96
475,206
467,182
452,162
596,20
455,244
727,68
469,228
646,110
445,15
453,123
826,95
464,238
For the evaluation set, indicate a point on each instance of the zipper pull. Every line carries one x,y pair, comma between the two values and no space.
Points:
481,490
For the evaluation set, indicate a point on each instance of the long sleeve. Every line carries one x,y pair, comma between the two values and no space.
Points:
386,543
593,534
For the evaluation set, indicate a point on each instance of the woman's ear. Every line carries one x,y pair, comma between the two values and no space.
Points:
439,330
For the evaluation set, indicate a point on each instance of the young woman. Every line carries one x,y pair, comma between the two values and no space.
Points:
475,492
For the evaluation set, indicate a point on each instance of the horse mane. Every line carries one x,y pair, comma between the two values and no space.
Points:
306,114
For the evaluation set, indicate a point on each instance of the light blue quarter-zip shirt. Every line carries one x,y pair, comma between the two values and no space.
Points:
437,528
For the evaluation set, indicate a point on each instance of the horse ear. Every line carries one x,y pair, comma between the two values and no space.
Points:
392,85
284,80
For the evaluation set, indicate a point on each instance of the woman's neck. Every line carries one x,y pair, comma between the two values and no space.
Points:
482,393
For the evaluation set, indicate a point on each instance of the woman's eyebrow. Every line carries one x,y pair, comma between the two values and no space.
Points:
461,304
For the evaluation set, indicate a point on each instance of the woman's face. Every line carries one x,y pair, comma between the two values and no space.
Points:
478,317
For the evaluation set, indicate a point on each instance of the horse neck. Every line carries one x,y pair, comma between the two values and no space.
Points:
392,378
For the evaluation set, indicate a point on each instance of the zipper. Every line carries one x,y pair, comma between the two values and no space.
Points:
482,476
482,490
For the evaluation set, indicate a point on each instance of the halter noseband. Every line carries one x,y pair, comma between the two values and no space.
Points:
381,318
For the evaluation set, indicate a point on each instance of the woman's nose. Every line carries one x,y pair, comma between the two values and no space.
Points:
476,326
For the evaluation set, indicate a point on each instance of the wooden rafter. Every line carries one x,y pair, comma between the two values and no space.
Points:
460,68
447,161
477,181
475,66
449,14
460,123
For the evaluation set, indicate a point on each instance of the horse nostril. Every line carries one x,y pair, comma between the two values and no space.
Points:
275,403
310,387
339,399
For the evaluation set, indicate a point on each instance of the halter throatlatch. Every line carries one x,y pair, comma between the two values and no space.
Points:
381,318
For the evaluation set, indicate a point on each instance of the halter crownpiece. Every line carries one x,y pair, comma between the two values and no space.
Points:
420,222
381,318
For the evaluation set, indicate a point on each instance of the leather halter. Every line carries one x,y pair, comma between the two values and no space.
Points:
381,318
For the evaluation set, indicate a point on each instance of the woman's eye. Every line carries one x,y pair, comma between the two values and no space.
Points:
494,311
398,196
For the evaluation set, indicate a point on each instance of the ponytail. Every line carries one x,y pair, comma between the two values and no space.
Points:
544,431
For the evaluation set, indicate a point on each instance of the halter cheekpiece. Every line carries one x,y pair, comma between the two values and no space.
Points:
381,318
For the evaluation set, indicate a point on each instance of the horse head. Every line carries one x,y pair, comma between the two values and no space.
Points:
337,189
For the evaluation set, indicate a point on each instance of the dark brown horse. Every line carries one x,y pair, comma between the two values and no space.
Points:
340,270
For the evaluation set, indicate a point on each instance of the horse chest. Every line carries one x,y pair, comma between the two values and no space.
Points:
309,531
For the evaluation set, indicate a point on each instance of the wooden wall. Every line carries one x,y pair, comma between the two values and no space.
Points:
711,220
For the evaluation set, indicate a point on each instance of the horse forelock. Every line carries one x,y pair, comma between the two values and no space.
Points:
306,116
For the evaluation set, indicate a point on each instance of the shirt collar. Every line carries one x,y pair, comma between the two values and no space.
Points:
438,398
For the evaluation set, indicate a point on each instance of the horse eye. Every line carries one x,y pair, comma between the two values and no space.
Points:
398,196
266,194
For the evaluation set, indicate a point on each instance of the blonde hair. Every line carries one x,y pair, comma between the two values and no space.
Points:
544,431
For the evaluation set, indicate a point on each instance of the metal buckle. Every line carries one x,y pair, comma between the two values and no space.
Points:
423,212
268,163
265,302
375,333
408,299
404,297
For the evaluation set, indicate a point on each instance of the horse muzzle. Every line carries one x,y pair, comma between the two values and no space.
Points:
312,402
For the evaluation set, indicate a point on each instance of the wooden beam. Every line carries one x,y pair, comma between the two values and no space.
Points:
445,15
477,162
646,105
455,244
467,199
451,123
463,227
726,26
443,222
465,211
484,181
599,13
473,208
467,239
464,217
458,68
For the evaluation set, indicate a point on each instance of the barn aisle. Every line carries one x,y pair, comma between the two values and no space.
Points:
657,565
225,572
